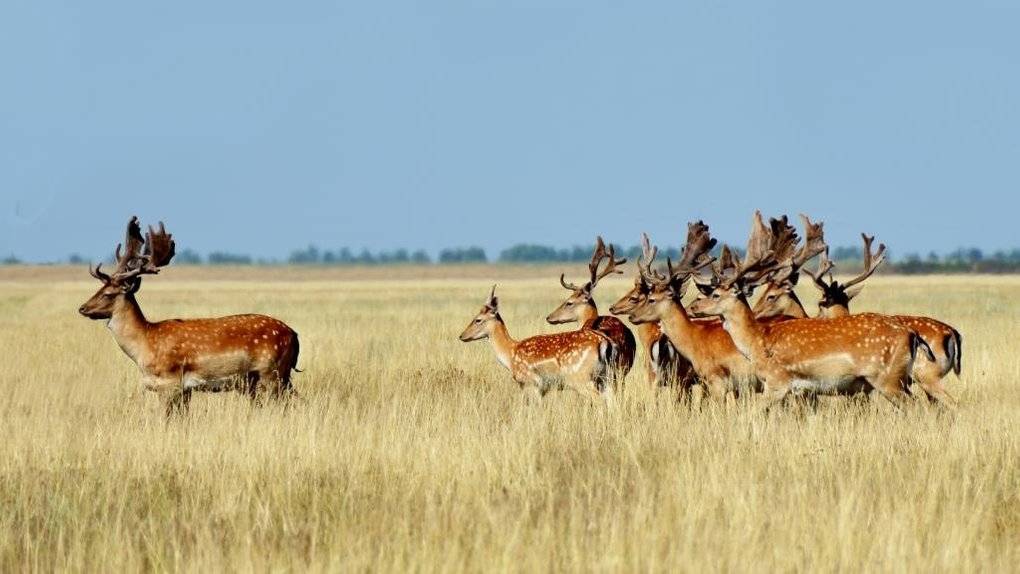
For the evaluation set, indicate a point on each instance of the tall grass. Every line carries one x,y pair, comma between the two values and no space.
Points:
412,450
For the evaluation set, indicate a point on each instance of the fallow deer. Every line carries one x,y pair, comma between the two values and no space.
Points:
944,340
580,307
716,361
578,360
176,356
817,356
779,298
665,366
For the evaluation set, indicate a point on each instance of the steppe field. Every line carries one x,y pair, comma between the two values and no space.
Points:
412,451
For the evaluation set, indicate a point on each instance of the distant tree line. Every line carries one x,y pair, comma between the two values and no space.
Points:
847,259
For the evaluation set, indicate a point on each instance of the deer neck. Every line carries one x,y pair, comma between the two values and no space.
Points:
503,344
589,313
747,333
796,310
682,332
129,327
647,333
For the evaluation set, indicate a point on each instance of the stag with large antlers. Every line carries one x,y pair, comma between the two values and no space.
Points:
580,307
944,340
664,364
816,356
779,298
579,360
716,360
240,352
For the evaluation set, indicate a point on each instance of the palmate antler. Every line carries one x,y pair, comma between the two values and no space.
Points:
595,275
758,260
158,251
694,257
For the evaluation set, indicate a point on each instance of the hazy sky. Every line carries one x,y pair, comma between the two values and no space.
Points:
261,128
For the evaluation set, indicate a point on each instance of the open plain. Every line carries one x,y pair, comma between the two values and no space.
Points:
410,450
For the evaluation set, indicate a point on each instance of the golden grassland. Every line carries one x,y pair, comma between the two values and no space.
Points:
414,451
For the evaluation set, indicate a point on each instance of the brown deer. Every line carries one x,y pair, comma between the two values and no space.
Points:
665,366
578,360
178,356
716,361
580,307
815,356
945,341
779,298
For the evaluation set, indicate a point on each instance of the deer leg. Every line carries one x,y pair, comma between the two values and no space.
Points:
176,401
252,386
936,392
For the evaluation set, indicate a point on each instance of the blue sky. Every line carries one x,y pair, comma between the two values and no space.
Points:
263,127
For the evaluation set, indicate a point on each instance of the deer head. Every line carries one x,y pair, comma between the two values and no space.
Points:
667,290
134,262
482,324
580,301
639,291
733,278
836,296
779,297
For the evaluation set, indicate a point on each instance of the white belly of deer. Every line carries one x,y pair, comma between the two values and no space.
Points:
219,371
828,376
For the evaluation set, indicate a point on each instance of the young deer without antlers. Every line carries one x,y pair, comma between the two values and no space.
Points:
818,356
944,340
716,360
665,366
178,356
577,360
580,307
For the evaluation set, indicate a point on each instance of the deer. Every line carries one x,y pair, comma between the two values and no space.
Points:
944,340
577,360
814,356
179,356
717,362
779,298
665,366
580,307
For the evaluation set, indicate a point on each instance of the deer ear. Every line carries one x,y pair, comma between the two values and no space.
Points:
131,286
853,292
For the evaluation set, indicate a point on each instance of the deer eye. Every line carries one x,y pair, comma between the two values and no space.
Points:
716,296
478,320
570,303
770,298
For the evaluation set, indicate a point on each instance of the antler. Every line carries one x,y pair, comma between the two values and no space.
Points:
648,253
758,259
611,266
814,242
872,261
783,243
594,275
824,266
159,250
695,256
133,246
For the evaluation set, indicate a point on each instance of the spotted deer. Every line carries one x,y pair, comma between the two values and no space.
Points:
815,356
944,340
580,307
665,366
577,360
715,359
779,298
178,356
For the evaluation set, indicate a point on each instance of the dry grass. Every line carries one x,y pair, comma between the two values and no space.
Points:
414,451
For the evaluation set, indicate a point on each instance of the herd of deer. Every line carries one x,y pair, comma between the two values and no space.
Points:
721,342
718,342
